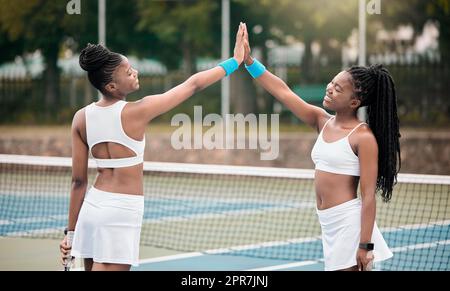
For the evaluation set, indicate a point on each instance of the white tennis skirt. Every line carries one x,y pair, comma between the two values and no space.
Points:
341,230
108,229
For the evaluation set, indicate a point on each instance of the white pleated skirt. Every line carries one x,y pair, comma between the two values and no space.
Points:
108,229
341,230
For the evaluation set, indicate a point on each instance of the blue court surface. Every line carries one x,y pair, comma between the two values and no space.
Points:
433,251
415,246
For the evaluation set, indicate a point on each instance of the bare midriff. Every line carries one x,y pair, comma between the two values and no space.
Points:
334,189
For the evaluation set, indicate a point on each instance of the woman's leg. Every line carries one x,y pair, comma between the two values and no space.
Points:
110,267
354,268
88,264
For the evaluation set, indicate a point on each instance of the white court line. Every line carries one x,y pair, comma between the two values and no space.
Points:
285,266
277,267
416,226
221,214
4,222
262,245
172,257
394,250
279,243
420,246
227,213
300,240
32,220
32,232
216,215
162,259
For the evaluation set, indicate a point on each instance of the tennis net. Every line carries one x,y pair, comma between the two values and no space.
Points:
246,211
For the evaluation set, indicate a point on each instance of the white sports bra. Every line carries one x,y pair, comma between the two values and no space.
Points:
104,124
335,157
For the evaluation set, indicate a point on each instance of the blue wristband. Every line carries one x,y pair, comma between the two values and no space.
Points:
229,66
256,69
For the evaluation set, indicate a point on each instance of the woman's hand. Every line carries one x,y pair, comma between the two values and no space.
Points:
363,259
239,50
64,249
248,51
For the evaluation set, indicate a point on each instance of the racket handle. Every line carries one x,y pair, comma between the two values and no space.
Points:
69,239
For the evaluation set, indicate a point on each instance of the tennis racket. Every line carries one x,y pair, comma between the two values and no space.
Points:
69,258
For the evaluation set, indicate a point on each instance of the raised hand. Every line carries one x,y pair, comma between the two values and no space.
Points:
239,50
248,51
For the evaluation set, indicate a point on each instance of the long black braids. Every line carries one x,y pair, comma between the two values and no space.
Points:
375,87
100,64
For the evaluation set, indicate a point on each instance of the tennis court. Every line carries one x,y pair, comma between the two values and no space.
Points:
204,217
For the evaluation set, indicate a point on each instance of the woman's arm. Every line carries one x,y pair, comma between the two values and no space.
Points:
368,160
308,113
79,178
79,170
152,106
155,105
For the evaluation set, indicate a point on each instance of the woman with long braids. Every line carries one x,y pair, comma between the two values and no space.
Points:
347,153
107,219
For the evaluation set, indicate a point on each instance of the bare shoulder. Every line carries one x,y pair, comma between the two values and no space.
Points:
133,107
323,117
138,107
79,123
145,109
365,136
79,117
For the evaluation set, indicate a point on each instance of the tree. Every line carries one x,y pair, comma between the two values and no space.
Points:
188,29
184,27
9,47
302,21
45,25
323,21
37,25
417,13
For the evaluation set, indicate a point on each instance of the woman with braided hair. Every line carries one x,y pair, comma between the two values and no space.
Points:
347,153
107,219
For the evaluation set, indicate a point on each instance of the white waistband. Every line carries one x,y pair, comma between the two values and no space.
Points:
120,163
97,193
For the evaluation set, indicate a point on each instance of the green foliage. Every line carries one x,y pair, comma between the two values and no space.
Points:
184,27
417,13
38,23
179,32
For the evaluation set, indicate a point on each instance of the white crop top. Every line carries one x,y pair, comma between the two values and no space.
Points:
335,157
104,124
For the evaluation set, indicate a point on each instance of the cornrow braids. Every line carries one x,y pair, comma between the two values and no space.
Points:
375,87
100,64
